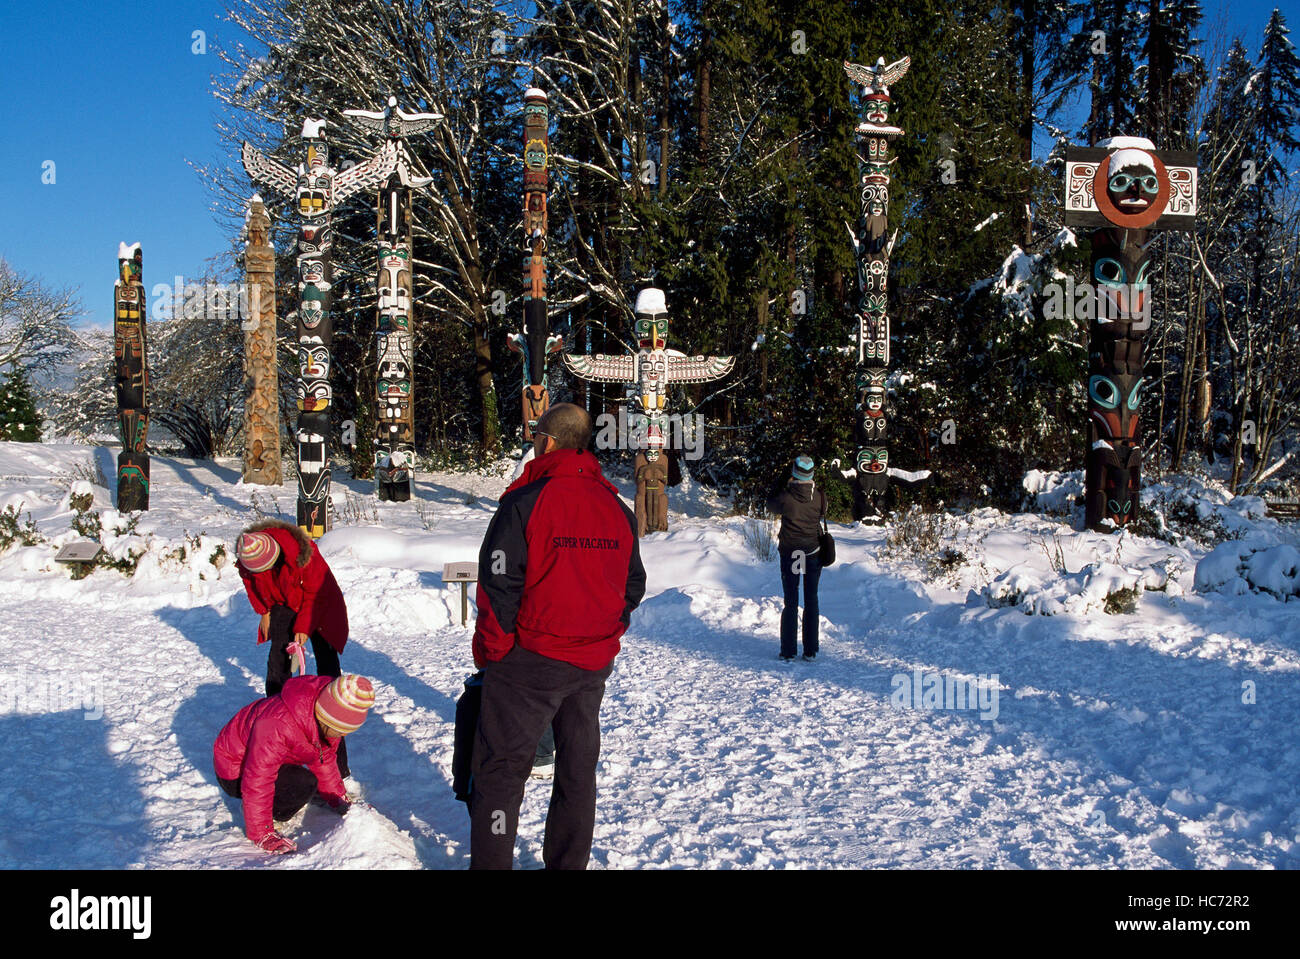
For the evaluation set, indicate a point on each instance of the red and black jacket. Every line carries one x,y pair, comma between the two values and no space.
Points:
560,567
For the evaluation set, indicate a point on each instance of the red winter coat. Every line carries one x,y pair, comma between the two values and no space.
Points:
560,567
301,580
276,731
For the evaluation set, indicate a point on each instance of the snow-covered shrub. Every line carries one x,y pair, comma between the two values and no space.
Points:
1238,567
926,538
13,530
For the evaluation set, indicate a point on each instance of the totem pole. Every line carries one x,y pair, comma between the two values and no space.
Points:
319,189
872,246
649,372
395,323
262,402
535,343
132,380
1128,190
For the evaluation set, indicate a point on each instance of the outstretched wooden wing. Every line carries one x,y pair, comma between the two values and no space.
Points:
367,176
895,71
698,369
879,75
262,169
601,368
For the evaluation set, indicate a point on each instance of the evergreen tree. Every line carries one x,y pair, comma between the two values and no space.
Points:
19,420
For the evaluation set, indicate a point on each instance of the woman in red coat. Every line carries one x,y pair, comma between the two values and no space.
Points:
279,752
289,583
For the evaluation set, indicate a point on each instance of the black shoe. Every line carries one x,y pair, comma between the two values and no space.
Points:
784,658
809,656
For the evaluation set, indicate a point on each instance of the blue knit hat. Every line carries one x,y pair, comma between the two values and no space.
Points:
803,469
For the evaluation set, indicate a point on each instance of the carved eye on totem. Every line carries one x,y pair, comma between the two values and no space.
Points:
1111,272
1118,508
1103,392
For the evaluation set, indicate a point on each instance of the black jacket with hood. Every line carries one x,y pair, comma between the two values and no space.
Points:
801,507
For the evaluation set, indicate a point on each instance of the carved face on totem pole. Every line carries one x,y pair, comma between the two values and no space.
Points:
315,238
311,310
651,330
130,268
395,280
872,423
1114,402
872,466
652,379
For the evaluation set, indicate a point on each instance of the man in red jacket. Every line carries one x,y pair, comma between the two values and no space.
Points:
559,575
260,755
289,583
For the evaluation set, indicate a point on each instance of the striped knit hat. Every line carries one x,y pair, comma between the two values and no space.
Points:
803,469
257,551
343,703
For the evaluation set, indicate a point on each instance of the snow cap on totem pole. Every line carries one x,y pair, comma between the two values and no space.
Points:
651,324
311,129
534,93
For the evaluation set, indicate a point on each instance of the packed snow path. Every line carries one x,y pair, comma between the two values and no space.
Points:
1118,740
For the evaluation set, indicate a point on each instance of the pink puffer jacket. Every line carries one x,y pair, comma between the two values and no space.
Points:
273,732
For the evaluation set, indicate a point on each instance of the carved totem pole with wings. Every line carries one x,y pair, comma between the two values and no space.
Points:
395,326
872,246
649,372
319,188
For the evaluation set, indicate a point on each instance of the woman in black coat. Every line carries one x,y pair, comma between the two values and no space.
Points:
802,507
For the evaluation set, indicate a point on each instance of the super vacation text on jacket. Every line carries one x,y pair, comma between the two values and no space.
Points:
560,567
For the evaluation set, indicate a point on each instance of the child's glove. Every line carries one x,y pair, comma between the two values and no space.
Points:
339,804
273,842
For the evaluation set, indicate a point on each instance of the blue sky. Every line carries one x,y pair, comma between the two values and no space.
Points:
115,97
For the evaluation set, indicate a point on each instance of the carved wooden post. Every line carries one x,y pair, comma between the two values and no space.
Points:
132,380
262,400
1127,189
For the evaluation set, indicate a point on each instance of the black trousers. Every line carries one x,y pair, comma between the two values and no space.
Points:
808,565
294,787
279,666
521,695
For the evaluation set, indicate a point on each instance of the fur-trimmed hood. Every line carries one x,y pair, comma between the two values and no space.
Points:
304,543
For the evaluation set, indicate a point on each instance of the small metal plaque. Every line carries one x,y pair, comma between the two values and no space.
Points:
460,573
82,551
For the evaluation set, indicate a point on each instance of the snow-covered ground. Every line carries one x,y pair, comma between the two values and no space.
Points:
1159,734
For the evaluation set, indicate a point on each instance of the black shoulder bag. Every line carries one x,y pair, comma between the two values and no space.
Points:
825,541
